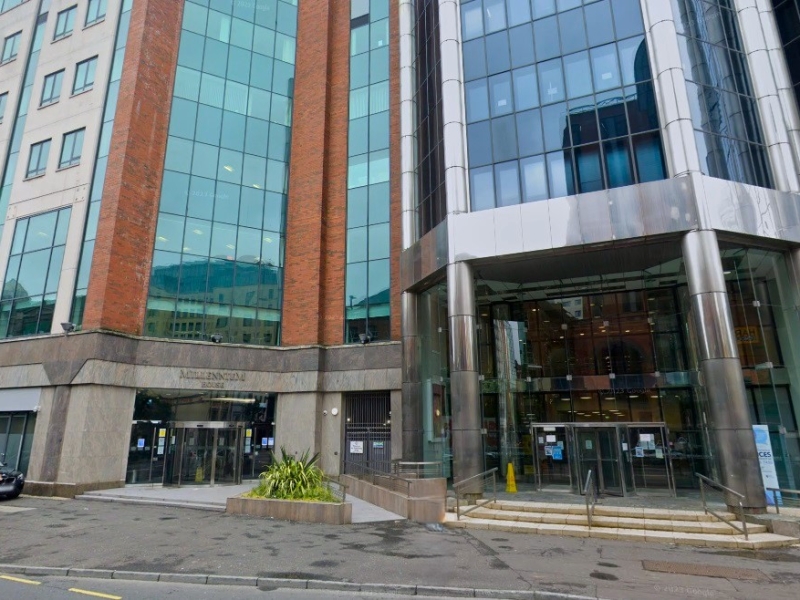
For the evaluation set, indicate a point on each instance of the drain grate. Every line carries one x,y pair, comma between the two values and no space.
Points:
703,570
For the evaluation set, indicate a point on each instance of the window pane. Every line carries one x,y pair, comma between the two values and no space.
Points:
507,182
482,188
534,179
526,93
578,75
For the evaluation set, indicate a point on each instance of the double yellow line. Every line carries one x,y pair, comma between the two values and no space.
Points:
75,590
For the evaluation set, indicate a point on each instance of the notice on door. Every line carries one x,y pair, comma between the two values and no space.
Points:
356,447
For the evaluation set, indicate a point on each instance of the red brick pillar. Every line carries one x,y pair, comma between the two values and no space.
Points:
120,274
313,299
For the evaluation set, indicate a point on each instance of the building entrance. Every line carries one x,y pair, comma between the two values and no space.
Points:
625,458
203,453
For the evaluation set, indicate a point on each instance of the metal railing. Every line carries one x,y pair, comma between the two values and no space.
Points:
339,490
420,470
777,500
475,486
380,478
705,481
588,490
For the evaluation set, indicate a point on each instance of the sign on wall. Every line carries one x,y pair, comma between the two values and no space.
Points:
769,475
356,447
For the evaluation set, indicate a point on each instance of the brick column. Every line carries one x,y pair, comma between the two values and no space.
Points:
313,297
123,252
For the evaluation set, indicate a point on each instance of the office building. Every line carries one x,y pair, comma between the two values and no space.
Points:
561,234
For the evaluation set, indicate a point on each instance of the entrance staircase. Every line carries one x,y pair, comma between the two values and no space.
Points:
682,527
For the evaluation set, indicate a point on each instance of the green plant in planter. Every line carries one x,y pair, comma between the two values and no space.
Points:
293,478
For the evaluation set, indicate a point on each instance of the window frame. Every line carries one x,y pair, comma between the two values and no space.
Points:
73,159
15,39
41,169
3,103
96,6
86,86
52,99
72,12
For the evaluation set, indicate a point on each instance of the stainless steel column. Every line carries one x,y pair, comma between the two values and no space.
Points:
412,387
729,418
464,391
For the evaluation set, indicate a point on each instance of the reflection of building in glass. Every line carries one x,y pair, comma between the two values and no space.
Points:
608,223
200,251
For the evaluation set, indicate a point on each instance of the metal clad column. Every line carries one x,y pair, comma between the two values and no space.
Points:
768,72
729,418
672,99
411,386
465,404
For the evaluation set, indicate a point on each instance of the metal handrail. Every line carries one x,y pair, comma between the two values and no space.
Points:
705,481
776,491
484,477
379,478
419,469
587,489
339,490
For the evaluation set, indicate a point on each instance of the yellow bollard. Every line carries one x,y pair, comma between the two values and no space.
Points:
511,482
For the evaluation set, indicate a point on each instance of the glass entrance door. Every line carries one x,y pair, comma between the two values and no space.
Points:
598,450
649,457
204,453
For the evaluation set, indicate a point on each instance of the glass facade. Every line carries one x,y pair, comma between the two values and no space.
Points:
431,199
218,257
724,112
559,99
34,269
19,121
619,347
368,235
787,16
100,165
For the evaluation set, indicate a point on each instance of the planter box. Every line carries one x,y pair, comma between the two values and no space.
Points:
292,510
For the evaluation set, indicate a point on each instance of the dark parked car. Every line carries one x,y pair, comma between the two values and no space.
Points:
11,482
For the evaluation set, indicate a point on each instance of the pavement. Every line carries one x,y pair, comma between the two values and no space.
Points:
109,540
214,498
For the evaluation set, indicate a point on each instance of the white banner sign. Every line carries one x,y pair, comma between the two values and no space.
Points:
769,476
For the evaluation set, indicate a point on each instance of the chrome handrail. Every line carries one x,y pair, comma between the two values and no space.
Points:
705,481
472,480
775,492
379,478
338,489
419,469
587,489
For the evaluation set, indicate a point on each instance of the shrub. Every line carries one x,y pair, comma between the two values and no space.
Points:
293,479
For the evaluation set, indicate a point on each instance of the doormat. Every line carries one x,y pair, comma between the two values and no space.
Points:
703,570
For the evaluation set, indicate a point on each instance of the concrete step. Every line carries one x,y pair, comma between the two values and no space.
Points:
609,511
99,497
716,527
756,541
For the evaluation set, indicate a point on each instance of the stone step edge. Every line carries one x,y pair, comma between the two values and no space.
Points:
631,535
169,503
715,526
607,511
305,584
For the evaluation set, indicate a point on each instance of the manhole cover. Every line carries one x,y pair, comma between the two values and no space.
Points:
703,570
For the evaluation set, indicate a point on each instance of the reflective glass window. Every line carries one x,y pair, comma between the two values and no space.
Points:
580,74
